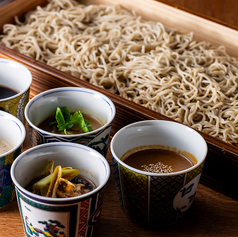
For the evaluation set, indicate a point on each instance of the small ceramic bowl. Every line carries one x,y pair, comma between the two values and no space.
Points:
157,199
74,98
74,216
19,78
13,133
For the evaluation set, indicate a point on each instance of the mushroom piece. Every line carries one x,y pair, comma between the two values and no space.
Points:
65,188
48,185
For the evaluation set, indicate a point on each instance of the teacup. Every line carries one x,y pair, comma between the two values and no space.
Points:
53,216
17,77
74,98
12,133
157,199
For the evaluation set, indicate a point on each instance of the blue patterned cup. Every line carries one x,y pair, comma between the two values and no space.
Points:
66,217
12,135
17,77
74,98
156,199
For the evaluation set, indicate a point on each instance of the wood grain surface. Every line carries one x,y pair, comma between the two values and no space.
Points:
212,213
222,11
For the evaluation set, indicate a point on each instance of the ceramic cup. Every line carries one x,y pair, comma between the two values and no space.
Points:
74,98
150,198
19,78
66,217
13,133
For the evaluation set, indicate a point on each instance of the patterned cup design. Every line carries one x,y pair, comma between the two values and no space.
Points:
73,219
12,131
157,199
7,192
64,217
98,140
153,200
75,98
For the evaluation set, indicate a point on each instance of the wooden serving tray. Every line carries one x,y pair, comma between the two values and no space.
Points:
221,167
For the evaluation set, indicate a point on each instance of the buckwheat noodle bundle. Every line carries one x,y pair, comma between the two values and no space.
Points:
143,61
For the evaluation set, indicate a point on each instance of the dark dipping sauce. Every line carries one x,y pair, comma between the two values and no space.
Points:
45,125
88,184
6,92
149,158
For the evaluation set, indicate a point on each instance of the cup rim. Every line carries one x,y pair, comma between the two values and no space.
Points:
59,200
20,126
59,89
139,123
27,72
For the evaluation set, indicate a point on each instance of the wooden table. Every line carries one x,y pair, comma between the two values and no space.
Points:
212,213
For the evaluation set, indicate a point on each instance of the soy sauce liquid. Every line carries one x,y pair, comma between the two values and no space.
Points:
6,92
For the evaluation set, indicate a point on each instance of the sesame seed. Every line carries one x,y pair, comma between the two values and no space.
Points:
158,167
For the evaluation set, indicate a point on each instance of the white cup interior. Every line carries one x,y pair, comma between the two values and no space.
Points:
12,131
159,132
31,163
14,75
74,98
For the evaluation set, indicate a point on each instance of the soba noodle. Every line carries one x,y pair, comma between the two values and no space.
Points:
162,69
